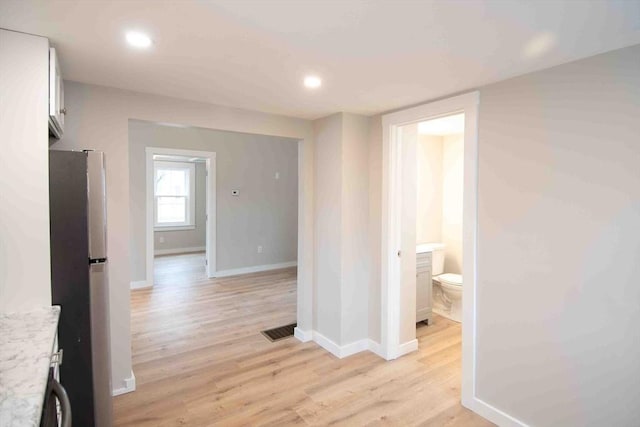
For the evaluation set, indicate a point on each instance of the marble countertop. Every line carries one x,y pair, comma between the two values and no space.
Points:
26,344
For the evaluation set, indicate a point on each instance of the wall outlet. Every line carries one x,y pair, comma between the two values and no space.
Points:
161,239
277,175
259,249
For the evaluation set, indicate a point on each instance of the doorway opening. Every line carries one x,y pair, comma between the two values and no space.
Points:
413,210
181,213
439,188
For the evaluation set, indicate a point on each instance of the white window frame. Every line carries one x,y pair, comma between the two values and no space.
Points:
190,224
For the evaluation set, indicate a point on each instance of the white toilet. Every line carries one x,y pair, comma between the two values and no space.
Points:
447,289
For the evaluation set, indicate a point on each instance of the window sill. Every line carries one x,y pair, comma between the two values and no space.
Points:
174,227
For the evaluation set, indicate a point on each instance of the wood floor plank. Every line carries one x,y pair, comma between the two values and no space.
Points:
200,360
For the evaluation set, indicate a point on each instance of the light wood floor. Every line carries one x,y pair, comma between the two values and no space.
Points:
200,360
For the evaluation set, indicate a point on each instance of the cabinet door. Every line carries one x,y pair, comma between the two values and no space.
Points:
423,296
56,96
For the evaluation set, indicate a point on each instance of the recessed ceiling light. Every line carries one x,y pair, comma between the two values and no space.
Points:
540,44
139,40
312,82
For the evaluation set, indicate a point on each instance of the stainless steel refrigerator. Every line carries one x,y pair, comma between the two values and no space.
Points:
79,283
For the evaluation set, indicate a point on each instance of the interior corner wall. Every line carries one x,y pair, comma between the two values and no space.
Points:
328,227
25,272
430,189
342,225
375,227
558,294
355,227
452,188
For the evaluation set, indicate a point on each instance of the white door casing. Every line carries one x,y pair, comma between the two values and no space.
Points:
397,299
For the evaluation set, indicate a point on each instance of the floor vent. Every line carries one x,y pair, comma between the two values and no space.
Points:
279,333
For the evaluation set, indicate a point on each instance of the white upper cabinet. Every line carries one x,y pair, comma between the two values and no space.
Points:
56,96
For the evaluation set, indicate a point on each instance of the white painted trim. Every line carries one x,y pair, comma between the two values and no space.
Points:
376,348
391,221
163,228
302,336
405,348
255,269
327,344
210,162
172,251
340,351
354,347
140,284
129,385
494,414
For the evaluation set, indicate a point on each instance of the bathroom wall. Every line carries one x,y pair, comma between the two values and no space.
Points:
440,186
177,241
452,188
429,173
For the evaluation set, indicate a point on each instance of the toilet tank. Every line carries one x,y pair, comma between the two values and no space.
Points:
437,258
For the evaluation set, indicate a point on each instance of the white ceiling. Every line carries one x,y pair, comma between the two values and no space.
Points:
373,56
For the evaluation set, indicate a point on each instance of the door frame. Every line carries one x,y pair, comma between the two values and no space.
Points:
391,295
210,161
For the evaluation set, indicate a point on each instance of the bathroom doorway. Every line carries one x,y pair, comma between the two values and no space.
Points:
439,189
399,298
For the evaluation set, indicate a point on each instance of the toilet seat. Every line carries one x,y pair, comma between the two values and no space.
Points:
450,279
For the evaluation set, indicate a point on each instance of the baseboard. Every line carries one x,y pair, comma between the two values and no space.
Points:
327,344
302,336
175,251
254,269
406,348
140,284
340,351
493,414
354,347
129,386
376,348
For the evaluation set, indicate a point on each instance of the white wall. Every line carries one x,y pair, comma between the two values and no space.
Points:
328,216
452,188
429,202
265,212
558,294
342,222
176,241
25,264
375,226
558,299
355,237
440,183
98,118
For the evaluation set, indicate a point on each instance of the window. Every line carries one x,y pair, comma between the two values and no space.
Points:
174,193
